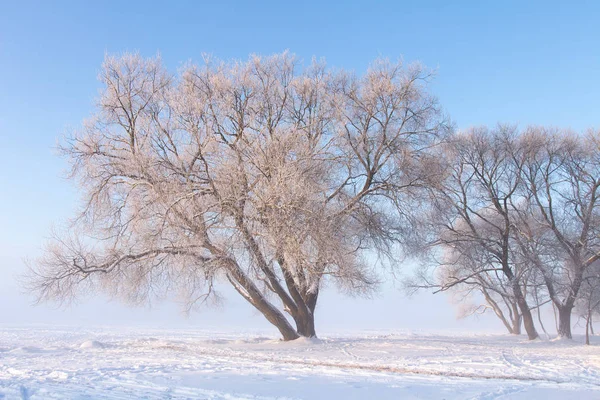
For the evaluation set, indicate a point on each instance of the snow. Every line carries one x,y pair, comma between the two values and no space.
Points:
92,344
118,363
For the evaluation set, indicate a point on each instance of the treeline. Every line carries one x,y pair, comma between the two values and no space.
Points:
515,219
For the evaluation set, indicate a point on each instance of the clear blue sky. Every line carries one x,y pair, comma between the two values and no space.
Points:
533,63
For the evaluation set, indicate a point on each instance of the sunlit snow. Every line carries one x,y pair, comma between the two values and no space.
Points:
111,363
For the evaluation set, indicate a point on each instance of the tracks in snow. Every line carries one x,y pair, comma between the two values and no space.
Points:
390,369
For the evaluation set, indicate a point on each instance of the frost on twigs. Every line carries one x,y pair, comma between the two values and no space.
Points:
262,174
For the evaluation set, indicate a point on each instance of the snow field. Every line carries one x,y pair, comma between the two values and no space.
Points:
116,363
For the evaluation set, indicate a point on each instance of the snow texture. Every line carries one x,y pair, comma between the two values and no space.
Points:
116,363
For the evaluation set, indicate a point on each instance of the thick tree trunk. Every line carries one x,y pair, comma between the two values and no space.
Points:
297,303
591,325
278,319
516,325
528,322
304,301
564,321
252,294
305,315
255,297
305,325
525,311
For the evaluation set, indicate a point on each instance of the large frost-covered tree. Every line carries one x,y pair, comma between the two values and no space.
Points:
267,176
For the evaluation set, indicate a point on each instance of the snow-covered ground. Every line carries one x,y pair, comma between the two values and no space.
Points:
116,363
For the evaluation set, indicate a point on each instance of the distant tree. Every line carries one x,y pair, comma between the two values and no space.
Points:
470,224
261,174
587,304
479,293
559,230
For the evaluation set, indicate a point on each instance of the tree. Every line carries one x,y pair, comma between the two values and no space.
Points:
559,231
477,292
588,301
471,221
463,275
261,174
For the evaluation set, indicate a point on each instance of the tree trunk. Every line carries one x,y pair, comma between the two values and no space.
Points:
541,323
516,326
587,328
305,314
519,296
275,317
564,321
591,325
498,311
528,323
252,294
516,322
281,323
555,317
525,311
509,328
305,325
539,312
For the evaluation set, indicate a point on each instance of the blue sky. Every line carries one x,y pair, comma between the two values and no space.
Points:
533,63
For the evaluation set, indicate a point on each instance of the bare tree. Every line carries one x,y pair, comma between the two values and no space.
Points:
261,174
588,301
471,221
559,232
479,292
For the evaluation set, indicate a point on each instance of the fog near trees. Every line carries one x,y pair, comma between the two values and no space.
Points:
280,178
